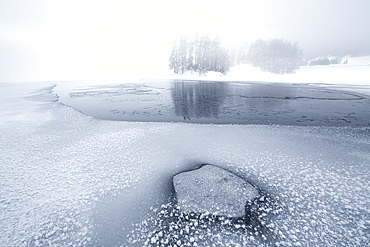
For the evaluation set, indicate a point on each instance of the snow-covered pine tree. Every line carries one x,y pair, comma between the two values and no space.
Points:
183,52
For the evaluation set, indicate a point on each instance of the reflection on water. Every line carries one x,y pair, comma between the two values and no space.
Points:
198,99
220,103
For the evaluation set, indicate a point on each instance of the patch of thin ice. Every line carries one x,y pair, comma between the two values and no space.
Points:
213,190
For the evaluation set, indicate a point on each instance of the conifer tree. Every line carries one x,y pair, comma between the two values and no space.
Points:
183,50
174,63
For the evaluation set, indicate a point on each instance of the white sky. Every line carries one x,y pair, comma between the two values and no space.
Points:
87,39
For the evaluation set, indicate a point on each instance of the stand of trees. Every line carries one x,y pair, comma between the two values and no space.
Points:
276,55
200,54
203,54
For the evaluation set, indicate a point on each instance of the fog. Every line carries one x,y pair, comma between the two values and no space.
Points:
93,133
76,40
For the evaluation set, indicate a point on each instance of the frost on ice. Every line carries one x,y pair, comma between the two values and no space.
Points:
213,190
58,166
213,207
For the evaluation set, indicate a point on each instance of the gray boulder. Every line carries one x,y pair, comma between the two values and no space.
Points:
213,190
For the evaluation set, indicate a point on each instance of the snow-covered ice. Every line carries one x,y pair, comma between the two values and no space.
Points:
213,190
68,179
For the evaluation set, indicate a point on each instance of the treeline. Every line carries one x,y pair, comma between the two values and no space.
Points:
275,55
200,55
203,54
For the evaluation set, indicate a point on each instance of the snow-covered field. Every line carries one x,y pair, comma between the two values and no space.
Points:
68,179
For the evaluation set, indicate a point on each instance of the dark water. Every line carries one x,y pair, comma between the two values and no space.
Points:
222,103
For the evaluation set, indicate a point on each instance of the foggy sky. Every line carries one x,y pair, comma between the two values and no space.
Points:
82,39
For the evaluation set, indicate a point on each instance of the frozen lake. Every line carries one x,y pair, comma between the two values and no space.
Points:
220,103
69,179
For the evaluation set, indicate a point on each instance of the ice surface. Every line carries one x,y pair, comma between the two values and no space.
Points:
212,190
70,179
219,102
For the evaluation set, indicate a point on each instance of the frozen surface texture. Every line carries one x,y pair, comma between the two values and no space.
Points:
212,190
68,179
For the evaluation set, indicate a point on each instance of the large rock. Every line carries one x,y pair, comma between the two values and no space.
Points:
213,190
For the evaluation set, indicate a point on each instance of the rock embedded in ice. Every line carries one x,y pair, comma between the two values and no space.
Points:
213,190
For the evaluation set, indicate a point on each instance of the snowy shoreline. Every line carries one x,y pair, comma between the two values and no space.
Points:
353,76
